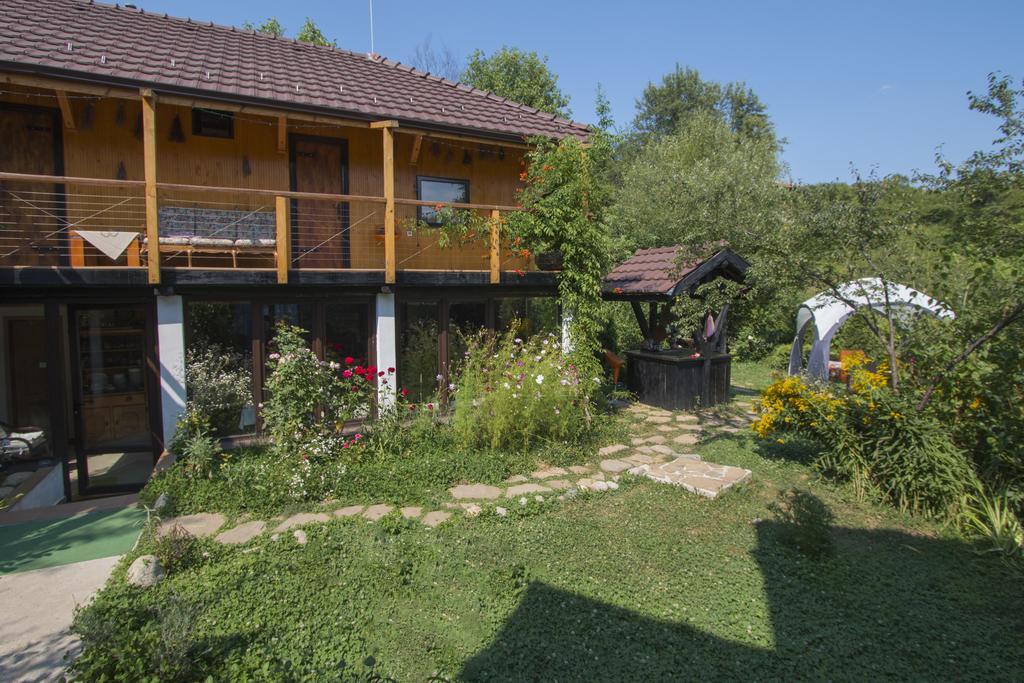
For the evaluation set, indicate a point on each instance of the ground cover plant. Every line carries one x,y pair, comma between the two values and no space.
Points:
649,582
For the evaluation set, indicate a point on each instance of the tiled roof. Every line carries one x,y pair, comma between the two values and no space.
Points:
659,272
94,41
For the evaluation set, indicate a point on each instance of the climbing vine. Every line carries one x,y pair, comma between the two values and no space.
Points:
563,211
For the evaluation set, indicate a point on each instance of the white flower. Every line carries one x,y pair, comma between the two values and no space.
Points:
451,387
557,411
517,340
440,377
514,395
564,382
540,379
505,385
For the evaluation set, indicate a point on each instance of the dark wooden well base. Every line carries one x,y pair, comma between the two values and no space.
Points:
675,381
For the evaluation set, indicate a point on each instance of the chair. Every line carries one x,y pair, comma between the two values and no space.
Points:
21,443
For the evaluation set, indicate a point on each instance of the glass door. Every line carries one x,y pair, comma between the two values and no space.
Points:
115,442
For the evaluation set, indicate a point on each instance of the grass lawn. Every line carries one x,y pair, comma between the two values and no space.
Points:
645,583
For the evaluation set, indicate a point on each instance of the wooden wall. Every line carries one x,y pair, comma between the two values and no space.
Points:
107,143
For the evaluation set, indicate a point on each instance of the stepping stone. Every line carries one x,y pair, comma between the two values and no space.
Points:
472,509
558,484
300,519
300,536
481,491
412,512
243,533
689,427
202,524
434,518
659,419
657,438
549,472
579,469
686,417
614,466
667,428
705,479
516,479
664,450
375,512
514,491
686,439
729,429
597,475
640,459
350,511
637,440
612,450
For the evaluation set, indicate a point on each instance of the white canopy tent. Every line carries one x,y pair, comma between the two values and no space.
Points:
829,310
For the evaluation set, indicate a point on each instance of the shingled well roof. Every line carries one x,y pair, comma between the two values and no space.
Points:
90,41
660,273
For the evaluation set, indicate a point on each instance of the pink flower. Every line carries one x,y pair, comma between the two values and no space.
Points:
347,374
430,406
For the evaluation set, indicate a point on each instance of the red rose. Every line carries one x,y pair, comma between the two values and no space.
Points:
349,360
391,371
359,370
380,374
405,392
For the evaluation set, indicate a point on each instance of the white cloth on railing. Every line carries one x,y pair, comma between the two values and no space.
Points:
111,243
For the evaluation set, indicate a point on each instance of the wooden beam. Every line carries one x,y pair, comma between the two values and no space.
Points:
255,110
495,247
389,205
66,112
384,124
74,180
67,86
480,139
149,165
284,240
417,142
639,313
282,134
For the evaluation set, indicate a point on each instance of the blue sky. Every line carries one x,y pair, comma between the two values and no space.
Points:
879,85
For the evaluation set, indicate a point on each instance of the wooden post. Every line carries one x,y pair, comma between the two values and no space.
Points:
284,240
149,165
389,205
66,112
495,247
282,134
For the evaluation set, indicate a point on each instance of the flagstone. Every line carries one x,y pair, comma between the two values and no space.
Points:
412,512
657,438
686,439
516,479
549,472
243,533
482,491
659,419
350,511
434,518
375,512
300,519
202,524
558,484
612,450
612,465
579,469
514,491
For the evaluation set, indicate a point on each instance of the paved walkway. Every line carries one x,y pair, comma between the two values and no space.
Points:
657,450
37,609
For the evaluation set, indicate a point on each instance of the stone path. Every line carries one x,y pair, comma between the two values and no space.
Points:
656,450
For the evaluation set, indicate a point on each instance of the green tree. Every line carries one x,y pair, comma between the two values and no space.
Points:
270,27
682,94
311,33
520,76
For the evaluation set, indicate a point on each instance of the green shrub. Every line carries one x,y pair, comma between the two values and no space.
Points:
515,394
218,382
176,549
805,522
201,455
990,518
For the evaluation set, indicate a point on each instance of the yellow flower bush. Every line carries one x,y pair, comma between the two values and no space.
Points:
792,404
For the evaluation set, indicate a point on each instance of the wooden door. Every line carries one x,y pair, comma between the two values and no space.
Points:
320,237
27,344
31,214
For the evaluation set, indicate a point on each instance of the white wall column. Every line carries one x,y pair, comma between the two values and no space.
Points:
170,332
387,347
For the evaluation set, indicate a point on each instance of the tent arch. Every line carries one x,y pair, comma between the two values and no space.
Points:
826,312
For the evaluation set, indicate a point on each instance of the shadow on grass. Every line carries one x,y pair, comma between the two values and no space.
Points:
886,605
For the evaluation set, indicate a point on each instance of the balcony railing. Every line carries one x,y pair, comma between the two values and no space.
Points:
101,223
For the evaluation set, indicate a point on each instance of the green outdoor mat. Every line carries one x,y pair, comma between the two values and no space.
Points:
54,542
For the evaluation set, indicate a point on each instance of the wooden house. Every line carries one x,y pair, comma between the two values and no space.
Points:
168,184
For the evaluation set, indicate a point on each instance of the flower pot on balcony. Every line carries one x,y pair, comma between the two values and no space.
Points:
549,260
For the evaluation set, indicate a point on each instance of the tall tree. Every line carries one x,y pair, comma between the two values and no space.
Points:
682,93
520,76
311,33
441,61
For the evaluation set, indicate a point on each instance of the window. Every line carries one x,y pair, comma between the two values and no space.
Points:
213,123
439,190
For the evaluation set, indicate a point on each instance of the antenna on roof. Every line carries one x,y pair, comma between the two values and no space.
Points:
371,27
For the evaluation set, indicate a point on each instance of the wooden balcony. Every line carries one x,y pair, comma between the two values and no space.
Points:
90,223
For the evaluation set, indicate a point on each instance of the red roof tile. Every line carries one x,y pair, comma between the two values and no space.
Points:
94,41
